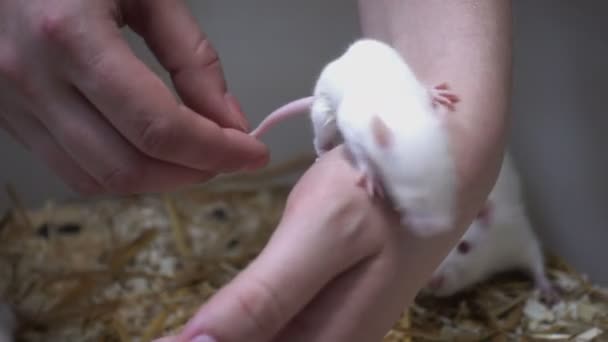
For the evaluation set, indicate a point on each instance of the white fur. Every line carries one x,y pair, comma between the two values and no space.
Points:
509,242
371,79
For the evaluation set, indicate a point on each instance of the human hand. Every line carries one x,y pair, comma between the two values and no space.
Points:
338,268
72,91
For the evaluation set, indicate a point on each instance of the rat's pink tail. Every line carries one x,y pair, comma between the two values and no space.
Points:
291,109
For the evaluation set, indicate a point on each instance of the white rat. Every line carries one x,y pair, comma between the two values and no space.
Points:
8,323
393,130
500,239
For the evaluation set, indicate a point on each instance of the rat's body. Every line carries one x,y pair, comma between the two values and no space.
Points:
8,323
392,128
500,239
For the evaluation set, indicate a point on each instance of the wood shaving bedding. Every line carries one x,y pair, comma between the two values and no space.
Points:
136,268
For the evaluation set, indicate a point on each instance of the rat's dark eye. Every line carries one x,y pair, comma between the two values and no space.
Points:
464,247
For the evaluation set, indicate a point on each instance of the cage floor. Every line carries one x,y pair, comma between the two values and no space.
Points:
137,268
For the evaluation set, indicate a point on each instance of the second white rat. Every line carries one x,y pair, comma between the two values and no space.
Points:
500,239
393,130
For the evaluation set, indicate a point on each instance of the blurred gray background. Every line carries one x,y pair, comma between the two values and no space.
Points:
273,50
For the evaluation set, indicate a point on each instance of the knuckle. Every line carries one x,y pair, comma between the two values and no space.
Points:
65,34
155,137
205,53
201,55
55,28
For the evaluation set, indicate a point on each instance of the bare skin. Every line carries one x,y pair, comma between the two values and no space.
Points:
346,272
73,93
342,274
338,263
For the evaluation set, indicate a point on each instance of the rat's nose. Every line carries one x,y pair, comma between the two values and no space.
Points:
436,282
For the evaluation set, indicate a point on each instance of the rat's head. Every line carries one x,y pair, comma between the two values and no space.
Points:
465,264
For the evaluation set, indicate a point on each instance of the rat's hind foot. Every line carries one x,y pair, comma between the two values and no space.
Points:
441,95
549,294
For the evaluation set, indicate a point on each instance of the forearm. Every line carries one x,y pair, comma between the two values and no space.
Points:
467,44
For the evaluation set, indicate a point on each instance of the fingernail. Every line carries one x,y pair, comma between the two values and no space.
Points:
235,108
203,338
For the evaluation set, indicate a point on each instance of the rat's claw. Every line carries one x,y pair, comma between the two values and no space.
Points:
441,95
549,294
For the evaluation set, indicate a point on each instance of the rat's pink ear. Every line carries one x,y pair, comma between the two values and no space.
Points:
381,132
